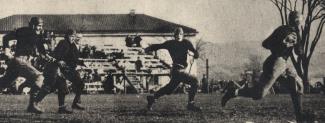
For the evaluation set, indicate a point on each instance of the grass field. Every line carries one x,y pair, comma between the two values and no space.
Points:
131,108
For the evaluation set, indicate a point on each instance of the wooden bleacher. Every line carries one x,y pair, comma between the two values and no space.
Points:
151,66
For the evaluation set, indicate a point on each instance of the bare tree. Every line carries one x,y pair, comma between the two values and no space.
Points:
200,47
313,12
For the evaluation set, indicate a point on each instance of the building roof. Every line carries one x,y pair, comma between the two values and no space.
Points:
96,23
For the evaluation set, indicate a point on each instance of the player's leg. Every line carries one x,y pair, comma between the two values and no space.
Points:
10,76
272,72
77,87
50,74
35,79
167,89
193,82
62,92
35,89
272,69
295,86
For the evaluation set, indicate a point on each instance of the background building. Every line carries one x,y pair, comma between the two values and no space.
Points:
107,32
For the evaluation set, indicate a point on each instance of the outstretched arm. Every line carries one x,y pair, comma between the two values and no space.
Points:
156,47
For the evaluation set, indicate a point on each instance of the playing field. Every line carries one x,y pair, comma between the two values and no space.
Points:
131,108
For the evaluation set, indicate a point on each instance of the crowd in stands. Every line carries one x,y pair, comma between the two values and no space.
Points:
133,41
91,76
92,52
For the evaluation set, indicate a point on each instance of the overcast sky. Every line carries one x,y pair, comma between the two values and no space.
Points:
216,20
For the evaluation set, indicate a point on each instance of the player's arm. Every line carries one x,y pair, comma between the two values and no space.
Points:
59,52
269,41
5,43
298,49
156,47
192,49
43,54
276,38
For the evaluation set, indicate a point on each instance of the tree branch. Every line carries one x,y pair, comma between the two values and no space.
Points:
305,34
308,24
317,37
306,43
290,4
295,7
276,3
296,65
281,3
285,11
200,46
315,3
320,10
303,6
317,16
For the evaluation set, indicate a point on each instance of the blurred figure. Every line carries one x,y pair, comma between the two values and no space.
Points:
128,41
138,65
108,83
93,52
137,40
119,55
87,78
205,84
29,45
96,76
66,54
85,52
101,54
